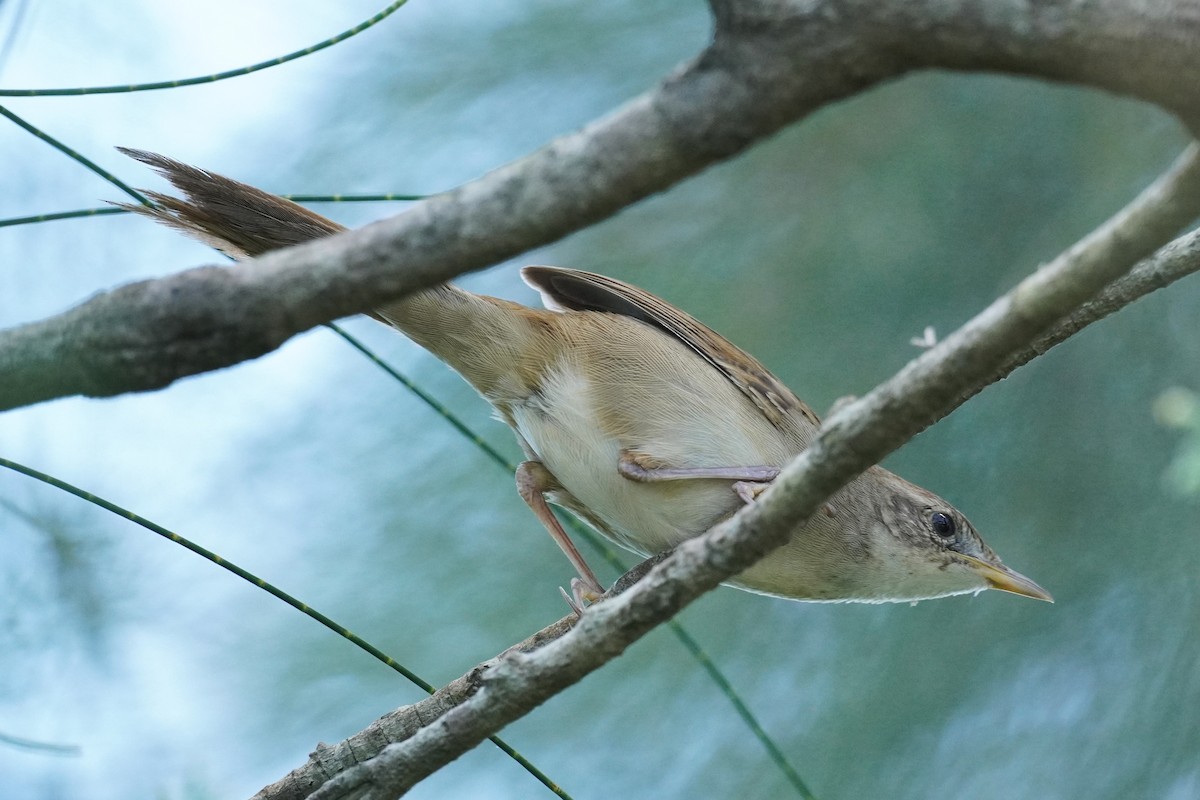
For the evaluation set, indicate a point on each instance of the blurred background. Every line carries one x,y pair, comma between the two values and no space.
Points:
822,251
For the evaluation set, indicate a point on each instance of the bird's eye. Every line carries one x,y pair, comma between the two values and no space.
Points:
943,525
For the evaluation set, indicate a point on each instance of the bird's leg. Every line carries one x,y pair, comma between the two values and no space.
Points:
645,469
750,482
533,481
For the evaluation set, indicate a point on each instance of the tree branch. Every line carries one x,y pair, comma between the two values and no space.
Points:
1161,209
771,62
856,437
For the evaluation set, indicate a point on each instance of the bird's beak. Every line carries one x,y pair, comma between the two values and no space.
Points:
1001,577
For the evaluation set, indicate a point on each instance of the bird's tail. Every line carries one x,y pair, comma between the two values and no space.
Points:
481,337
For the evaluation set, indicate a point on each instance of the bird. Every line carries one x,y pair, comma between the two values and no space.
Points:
635,417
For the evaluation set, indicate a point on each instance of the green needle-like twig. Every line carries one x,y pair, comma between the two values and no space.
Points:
216,76
250,577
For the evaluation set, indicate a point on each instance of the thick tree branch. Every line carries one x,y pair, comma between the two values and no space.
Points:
771,63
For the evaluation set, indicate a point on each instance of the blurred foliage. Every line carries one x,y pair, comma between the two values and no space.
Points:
1178,409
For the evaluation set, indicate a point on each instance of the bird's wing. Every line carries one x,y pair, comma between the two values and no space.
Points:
575,290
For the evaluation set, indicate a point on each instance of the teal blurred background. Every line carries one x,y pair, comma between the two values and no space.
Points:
823,251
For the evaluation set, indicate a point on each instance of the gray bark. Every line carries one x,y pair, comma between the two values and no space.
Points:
770,63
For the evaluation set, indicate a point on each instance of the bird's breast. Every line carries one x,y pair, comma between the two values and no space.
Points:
578,424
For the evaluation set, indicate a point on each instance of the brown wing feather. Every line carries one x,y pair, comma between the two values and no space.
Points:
575,290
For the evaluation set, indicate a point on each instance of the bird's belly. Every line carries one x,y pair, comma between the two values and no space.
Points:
562,427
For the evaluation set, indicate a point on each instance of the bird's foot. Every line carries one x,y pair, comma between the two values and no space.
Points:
582,595
750,490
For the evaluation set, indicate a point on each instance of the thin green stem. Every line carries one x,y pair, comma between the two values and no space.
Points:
74,155
83,212
352,198
216,76
271,589
43,747
743,711
105,211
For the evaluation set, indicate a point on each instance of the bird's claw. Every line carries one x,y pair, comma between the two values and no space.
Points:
582,595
